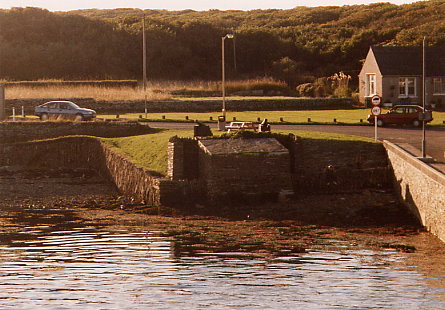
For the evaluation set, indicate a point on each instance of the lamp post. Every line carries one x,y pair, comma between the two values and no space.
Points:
2,102
423,98
227,36
144,65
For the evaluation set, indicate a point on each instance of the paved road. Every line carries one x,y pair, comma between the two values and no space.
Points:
435,137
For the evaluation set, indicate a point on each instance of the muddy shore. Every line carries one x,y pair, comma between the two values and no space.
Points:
360,220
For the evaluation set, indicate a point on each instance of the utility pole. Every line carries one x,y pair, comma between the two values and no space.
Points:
144,65
2,102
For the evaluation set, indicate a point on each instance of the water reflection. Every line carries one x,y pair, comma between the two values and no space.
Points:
92,268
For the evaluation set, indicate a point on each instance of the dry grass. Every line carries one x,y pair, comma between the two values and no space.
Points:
167,86
249,84
156,90
264,84
98,93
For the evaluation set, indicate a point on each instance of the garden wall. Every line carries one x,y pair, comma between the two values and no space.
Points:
421,188
26,131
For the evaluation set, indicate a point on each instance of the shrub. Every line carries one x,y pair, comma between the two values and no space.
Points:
340,84
336,85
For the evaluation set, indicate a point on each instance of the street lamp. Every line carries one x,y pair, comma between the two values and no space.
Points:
2,102
227,36
423,97
144,65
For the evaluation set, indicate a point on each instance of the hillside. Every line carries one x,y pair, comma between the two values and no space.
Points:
292,45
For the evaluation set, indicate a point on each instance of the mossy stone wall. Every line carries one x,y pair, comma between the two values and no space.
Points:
26,131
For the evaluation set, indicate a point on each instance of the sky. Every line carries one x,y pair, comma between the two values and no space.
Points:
199,5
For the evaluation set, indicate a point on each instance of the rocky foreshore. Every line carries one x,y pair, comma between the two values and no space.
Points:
69,197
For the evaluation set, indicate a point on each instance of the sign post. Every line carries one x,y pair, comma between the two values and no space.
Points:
376,100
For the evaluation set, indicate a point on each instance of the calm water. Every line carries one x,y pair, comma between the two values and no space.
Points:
92,268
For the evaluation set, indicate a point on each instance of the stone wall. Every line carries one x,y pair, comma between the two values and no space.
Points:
245,177
26,131
189,106
85,152
183,159
204,178
421,188
29,104
356,165
201,177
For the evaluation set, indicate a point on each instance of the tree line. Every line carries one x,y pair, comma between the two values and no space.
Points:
295,45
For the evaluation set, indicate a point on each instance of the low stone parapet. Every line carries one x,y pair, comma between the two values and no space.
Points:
420,187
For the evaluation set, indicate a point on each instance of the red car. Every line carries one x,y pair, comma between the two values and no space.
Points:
403,115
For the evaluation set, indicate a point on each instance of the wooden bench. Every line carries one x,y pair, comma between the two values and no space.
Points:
241,126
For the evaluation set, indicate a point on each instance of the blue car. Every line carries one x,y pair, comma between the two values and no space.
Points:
63,110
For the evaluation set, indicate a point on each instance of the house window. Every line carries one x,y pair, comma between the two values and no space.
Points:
438,86
370,85
407,87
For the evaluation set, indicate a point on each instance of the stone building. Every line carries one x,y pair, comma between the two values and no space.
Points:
232,169
244,167
395,74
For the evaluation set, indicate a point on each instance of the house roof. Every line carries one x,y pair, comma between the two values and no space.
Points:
408,60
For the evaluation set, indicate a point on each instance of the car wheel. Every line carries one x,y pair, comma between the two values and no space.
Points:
416,123
380,123
78,117
44,117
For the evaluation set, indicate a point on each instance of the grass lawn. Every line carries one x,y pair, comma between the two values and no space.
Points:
298,117
236,98
150,151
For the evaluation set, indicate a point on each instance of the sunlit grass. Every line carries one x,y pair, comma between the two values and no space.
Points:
235,98
325,116
198,85
84,91
150,151
318,135
319,116
155,90
266,83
